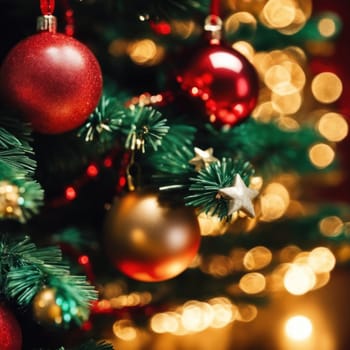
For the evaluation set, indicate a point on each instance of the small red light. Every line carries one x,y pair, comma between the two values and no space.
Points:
86,326
107,162
92,170
83,260
122,181
70,193
162,27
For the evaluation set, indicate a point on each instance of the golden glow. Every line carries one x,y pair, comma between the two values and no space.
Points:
333,126
299,279
256,183
145,52
288,123
331,226
211,225
326,27
165,322
274,202
245,49
123,329
298,328
183,29
285,78
322,279
279,13
247,313
252,283
257,258
240,20
326,87
287,104
252,6
286,16
117,47
219,265
265,112
321,260
289,252
321,155
195,316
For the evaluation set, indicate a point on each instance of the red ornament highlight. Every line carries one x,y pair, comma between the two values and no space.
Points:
53,80
224,80
10,331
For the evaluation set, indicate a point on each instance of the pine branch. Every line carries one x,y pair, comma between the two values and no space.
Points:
101,124
25,269
175,152
270,149
142,126
205,186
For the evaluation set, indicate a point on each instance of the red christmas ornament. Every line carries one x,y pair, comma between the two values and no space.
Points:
224,80
148,240
10,331
53,80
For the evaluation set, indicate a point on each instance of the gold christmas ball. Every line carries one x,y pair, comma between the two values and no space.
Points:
148,240
45,309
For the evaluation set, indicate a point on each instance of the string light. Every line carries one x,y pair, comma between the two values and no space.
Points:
321,155
326,87
70,193
298,328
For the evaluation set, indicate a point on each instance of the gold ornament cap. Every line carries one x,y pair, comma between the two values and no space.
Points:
46,23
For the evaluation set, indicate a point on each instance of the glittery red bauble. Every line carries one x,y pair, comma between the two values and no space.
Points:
10,331
148,240
224,80
53,80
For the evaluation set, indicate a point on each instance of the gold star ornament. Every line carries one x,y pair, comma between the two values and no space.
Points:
239,197
202,158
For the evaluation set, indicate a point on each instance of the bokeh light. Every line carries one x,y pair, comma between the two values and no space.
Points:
326,87
321,155
333,126
299,279
298,328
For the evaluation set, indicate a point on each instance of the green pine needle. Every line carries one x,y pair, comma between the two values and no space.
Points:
144,126
25,269
211,179
175,151
103,121
272,149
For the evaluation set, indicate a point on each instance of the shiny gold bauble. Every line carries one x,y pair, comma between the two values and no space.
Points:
45,309
148,240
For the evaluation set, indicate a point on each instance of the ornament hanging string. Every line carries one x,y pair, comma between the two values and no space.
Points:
47,7
215,8
213,22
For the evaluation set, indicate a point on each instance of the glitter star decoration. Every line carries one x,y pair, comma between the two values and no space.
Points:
202,158
239,197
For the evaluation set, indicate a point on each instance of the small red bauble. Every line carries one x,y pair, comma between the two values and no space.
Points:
53,80
148,240
224,80
10,331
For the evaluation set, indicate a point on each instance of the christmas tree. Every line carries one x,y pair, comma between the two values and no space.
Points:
170,172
